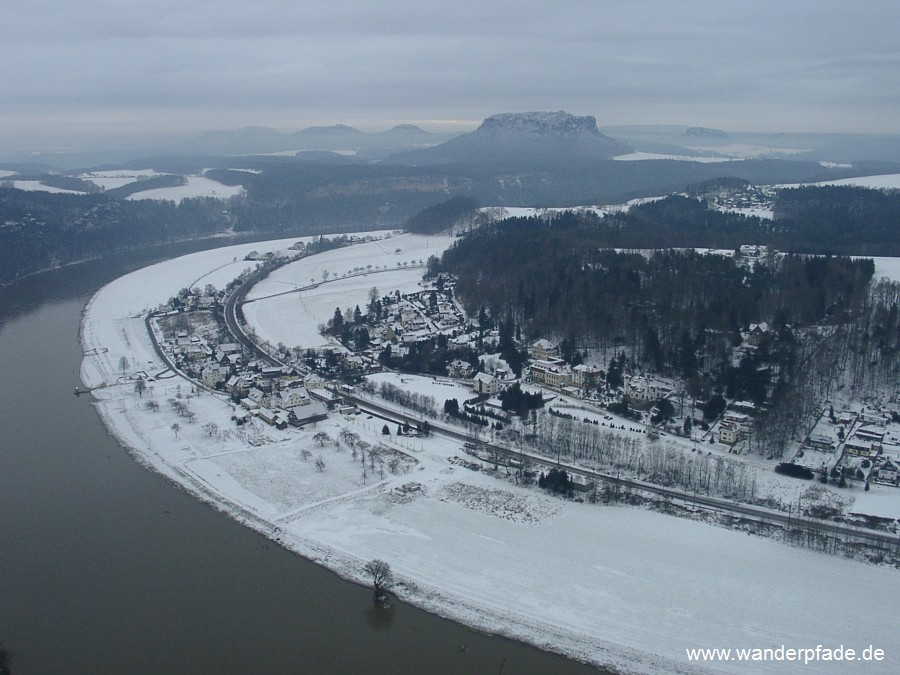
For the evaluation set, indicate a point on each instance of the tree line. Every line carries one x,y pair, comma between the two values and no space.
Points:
661,463
686,314
40,230
674,310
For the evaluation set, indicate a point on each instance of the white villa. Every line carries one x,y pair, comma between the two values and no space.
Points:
554,373
483,383
645,389
544,350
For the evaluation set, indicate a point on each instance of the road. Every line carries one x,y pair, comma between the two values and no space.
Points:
230,315
761,514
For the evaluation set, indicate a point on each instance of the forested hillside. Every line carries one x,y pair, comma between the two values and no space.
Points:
558,280
845,220
582,280
39,230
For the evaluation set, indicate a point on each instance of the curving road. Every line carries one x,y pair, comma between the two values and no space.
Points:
761,514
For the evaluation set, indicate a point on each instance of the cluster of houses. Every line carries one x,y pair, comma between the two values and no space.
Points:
867,436
862,442
557,374
276,395
409,318
751,256
279,398
748,197
548,369
191,300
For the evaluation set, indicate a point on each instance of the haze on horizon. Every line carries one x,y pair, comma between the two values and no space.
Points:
95,72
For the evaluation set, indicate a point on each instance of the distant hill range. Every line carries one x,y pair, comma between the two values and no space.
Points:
508,138
515,139
879,149
701,134
512,138
338,138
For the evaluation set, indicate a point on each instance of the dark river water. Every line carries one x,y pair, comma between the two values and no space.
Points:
106,567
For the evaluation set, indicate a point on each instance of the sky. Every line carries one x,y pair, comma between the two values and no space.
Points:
76,73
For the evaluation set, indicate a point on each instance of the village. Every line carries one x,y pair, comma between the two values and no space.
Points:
427,332
342,492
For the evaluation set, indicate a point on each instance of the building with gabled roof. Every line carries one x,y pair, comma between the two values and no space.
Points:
888,472
554,373
645,389
483,383
459,368
544,350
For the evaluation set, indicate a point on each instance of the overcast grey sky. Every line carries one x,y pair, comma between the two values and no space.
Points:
95,68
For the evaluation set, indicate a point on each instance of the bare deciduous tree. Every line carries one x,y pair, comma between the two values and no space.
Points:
382,577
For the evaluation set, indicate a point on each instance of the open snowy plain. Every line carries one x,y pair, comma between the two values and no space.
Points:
617,586
294,301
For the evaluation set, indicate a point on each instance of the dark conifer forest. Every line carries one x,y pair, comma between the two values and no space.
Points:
626,289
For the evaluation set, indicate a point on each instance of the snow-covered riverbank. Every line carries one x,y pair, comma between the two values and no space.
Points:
616,586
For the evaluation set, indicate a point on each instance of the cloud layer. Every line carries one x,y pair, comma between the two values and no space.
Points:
101,68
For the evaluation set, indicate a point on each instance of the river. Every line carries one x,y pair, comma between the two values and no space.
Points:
106,567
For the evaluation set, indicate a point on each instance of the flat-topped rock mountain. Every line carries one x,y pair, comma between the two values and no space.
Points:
547,137
541,123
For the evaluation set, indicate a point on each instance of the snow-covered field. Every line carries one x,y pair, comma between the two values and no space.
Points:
886,182
196,186
294,318
37,186
726,153
439,388
116,178
616,586
759,212
500,212
641,156
881,500
748,150
889,181
887,267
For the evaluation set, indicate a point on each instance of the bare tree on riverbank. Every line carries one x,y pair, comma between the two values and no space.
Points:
382,577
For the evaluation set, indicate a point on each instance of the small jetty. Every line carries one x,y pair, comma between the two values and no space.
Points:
87,390
95,351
